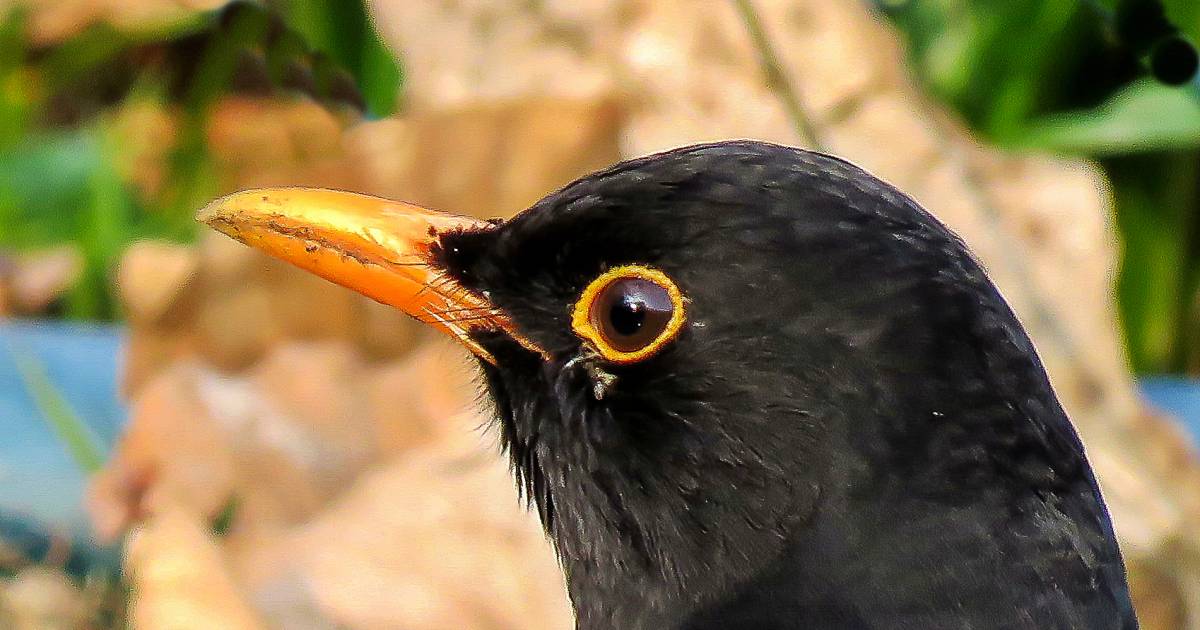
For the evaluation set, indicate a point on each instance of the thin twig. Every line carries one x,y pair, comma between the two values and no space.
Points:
776,78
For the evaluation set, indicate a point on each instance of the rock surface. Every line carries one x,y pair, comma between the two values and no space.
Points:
334,427
31,283
356,496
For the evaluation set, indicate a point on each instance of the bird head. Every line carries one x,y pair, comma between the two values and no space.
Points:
691,353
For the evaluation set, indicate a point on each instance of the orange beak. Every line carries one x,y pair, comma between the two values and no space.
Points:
377,247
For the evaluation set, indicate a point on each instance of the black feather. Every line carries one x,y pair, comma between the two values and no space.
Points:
852,431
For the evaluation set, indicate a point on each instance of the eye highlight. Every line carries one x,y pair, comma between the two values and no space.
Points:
629,313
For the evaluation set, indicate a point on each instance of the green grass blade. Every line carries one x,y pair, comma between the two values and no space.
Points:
70,429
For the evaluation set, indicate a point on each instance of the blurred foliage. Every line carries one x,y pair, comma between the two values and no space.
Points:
97,589
1071,77
62,153
1068,76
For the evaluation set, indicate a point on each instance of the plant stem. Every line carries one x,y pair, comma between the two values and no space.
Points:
71,430
776,78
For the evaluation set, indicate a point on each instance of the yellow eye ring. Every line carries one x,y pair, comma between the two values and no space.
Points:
629,313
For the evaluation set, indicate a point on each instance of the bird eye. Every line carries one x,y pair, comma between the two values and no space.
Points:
629,313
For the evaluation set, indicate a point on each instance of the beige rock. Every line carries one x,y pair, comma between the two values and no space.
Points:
281,439
41,598
366,497
152,275
180,579
235,306
1161,605
453,48
384,332
237,326
273,142
42,277
486,159
172,453
416,402
305,306
149,350
432,540
148,132
52,21
226,262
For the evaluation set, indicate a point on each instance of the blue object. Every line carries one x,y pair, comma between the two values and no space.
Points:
39,480
1177,396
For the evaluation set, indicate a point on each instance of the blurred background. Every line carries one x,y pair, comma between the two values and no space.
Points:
197,437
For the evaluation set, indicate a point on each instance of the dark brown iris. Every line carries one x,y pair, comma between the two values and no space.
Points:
631,313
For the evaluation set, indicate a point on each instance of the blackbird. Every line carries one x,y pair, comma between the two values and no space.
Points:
746,386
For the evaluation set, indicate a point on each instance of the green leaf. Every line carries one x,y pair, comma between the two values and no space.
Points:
16,99
1156,194
343,32
1145,116
42,185
84,53
223,521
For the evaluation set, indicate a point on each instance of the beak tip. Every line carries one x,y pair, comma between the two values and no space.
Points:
226,213
216,210
216,217
208,214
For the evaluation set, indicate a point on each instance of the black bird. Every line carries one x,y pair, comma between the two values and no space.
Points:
747,386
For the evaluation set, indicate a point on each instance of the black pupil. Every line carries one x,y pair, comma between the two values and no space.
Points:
631,313
627,315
